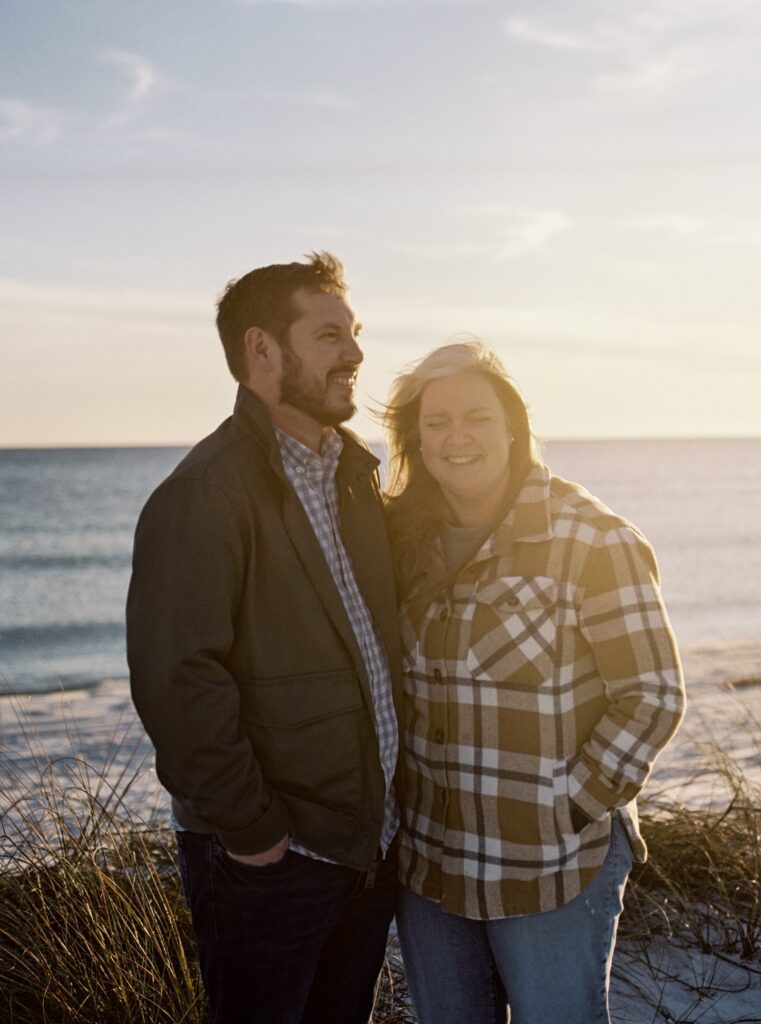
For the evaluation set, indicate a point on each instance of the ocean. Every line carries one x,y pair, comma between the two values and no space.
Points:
67,518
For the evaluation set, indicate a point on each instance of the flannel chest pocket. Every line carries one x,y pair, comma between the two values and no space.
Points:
512,636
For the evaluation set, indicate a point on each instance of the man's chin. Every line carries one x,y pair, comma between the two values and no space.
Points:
334,417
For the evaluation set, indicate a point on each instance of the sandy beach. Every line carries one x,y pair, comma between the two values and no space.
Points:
95,732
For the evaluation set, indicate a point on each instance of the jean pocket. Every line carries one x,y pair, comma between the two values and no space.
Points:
231,864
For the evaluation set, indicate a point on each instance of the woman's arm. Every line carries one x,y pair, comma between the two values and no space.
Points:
623,618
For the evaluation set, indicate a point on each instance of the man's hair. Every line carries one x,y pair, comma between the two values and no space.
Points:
264,298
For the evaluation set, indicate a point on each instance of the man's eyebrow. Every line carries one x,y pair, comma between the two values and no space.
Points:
333,325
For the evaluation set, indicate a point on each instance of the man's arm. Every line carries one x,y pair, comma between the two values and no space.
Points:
189,563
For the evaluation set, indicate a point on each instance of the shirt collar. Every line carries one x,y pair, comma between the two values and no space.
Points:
300,457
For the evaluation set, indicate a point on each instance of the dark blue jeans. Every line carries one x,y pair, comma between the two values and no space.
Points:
297,942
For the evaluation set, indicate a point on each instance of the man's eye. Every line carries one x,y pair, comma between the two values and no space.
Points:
435,424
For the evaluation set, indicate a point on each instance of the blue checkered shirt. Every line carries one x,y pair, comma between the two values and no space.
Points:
313,477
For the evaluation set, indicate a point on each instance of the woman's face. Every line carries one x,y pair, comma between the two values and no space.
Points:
465,440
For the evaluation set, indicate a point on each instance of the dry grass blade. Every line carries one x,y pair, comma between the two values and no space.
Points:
92,923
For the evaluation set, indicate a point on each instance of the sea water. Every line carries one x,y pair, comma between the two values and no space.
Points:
67,518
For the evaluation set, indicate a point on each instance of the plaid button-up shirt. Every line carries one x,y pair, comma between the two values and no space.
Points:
546,673
313,478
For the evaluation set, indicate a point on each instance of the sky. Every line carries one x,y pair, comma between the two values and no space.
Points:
578,182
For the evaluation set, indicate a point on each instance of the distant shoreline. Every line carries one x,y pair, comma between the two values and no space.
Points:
185,445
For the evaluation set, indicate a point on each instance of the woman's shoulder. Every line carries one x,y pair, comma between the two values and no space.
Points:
573,505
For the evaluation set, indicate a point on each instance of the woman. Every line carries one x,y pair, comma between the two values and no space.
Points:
541,680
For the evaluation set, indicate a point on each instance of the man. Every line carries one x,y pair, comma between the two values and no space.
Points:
263,649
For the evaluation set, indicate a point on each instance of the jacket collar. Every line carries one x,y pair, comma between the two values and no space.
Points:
250,414
529,520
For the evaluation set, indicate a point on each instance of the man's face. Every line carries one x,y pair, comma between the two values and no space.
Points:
320,359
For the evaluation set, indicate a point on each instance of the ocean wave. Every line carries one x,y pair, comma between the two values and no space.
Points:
37,658
68,563
59,634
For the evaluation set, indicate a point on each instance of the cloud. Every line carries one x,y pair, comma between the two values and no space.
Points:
28,122
660,73
519,232
325,99
28,296
647,47
359,5
675,223
143,82
682,226
553,39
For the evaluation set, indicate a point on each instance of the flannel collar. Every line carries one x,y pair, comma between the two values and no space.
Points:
529,519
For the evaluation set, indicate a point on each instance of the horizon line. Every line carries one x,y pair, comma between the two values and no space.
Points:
128,445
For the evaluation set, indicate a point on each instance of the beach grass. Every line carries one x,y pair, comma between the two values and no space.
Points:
93,926
92,923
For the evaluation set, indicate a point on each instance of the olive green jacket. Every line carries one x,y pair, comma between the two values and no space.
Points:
244,666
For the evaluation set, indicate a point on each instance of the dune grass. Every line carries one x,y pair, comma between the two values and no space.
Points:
93,927
92,924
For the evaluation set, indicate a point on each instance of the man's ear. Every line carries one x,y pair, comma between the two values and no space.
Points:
262,353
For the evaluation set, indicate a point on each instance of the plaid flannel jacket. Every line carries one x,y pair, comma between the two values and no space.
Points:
546,673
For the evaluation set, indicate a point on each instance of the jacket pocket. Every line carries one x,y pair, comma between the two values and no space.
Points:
308,733
513,631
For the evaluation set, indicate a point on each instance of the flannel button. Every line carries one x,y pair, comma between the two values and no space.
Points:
444,614
437,675
443,796
439,735
513,601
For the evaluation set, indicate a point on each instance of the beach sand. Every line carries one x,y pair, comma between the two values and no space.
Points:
96,732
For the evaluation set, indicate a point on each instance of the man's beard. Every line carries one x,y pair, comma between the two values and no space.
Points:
310,395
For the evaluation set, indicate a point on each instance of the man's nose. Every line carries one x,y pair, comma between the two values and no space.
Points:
351,350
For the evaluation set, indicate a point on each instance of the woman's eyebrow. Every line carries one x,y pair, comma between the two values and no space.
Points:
468,412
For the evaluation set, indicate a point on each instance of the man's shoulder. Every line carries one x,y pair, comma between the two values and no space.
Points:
214,455
227,461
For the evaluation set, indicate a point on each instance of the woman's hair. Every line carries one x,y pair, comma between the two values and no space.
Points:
415,503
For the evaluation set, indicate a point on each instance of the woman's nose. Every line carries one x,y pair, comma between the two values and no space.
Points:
458,432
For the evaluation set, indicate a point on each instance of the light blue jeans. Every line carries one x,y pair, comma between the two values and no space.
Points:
551,968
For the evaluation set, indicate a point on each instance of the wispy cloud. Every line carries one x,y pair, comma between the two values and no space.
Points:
359,4
675,223
553,38
646,47
29,122
682,226
143,80
519,232
664,71
325,99
19,294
